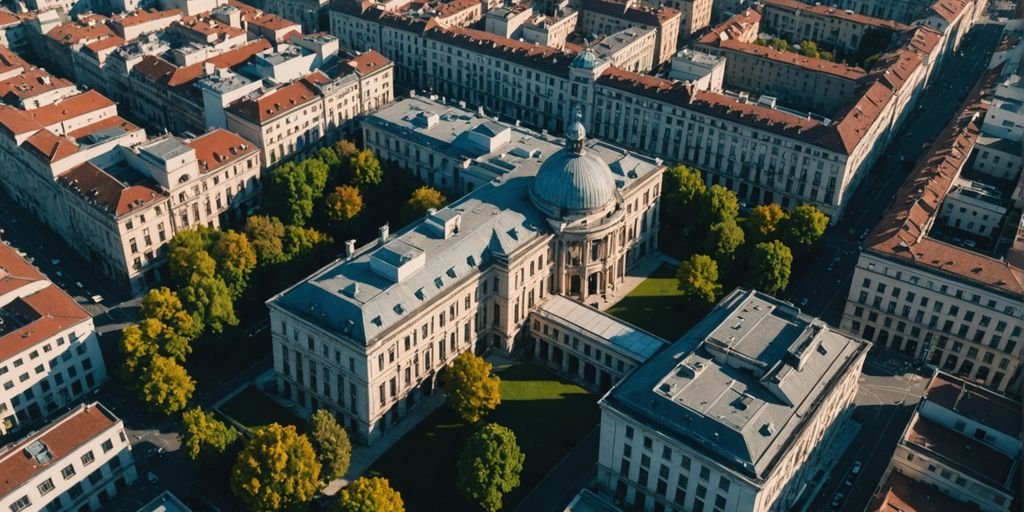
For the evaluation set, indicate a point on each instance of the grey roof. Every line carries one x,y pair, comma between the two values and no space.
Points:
741,383
574,182
586,59
621,336
164,149
351,299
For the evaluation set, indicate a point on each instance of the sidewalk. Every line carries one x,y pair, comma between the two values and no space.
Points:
364,456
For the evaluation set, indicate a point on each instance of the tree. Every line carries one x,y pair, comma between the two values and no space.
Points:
266,235
344,203
472,390
723,240
235,259
769,269
809,49
210,301
719,205
333,448
683,189
825,55
276,470
163,305
138,348
366,168
870,61
489,466
422,199
293,189
166,386
186,261
202,431
370,494
764,220
779,44
299,241
329,157
698,279
804,226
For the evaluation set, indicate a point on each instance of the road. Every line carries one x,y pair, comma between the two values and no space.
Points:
824,279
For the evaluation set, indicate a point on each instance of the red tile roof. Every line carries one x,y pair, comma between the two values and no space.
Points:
141,16
16,121
835,12
793,59
900,493
15,272
106,44
368,62
978,403
219,148
544,58
32,82
61,437
110,122
634,12
285,99
161,71
106,192
50,147
70,108
77,32
974,458
950,10
902,232
232,58
8,18
47,313
10,60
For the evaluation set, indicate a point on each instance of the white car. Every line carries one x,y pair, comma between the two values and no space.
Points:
96,299
856,468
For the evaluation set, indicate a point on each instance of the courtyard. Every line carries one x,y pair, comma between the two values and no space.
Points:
548,414
253,409
657,306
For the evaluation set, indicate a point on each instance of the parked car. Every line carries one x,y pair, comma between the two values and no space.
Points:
837,500
856,468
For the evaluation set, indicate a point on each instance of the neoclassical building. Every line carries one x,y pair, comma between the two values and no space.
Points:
366,336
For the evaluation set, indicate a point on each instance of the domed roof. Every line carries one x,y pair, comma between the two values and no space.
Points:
572,180
586,59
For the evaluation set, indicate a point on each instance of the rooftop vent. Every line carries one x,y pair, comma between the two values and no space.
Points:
767,430
39,452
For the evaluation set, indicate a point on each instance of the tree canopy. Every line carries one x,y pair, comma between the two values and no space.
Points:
489,466
202,432
723,240
682,191
166,386
422,199
235,259
698,279
294,187
333,448
804,225
210,301
366,168
472,390
764,221
344,203
163,305
719,205
370,494
299,241
276,470
769,269
266,235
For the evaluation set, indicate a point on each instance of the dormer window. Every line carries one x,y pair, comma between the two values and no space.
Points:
183,178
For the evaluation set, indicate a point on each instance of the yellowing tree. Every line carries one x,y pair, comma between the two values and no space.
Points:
422,199
370,494
202,432
276,470
344,203
472,390
166,386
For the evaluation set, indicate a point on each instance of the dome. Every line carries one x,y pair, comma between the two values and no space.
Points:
573,182
586,59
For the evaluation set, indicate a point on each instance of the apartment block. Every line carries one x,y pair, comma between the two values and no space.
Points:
606,17
77,462
49,353
738,414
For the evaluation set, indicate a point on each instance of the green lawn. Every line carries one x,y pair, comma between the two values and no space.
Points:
253,409
548,414
657,306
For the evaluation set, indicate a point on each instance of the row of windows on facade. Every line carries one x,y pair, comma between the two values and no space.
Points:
69,472
943,289
28,408
48,347
958,480
994,342
574,342
129,224
937,306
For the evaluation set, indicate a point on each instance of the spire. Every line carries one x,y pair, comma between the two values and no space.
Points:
575,133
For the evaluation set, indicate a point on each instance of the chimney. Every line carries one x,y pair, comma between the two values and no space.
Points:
385,232
350,248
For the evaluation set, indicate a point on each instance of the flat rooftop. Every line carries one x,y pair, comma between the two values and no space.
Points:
620,335
742,382
900,493
976,459
977,403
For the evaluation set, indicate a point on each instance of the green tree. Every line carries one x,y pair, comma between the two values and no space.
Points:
763,221
276,470
299,241
366,168
489,466
344,203
472,390
370,494
683,190
165,385
210,301
779,44
329,157
186,261
422,199
266,235
202,432
769,269
163,304
870,61
333,448
803,226
698,279
825,55
294,187
809,49
723,240
235,259
719,205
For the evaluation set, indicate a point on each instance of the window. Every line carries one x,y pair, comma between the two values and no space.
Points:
68,472
629,432
88,458
724,483
705,473
107,445
648,443
21,504
75,491
45,487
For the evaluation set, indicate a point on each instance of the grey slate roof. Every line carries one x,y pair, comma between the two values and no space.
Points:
622,336
732,386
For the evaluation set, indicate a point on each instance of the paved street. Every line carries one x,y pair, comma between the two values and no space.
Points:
825,277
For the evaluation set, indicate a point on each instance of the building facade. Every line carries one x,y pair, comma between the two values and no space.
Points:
547,220
49,351
738,415
77,462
